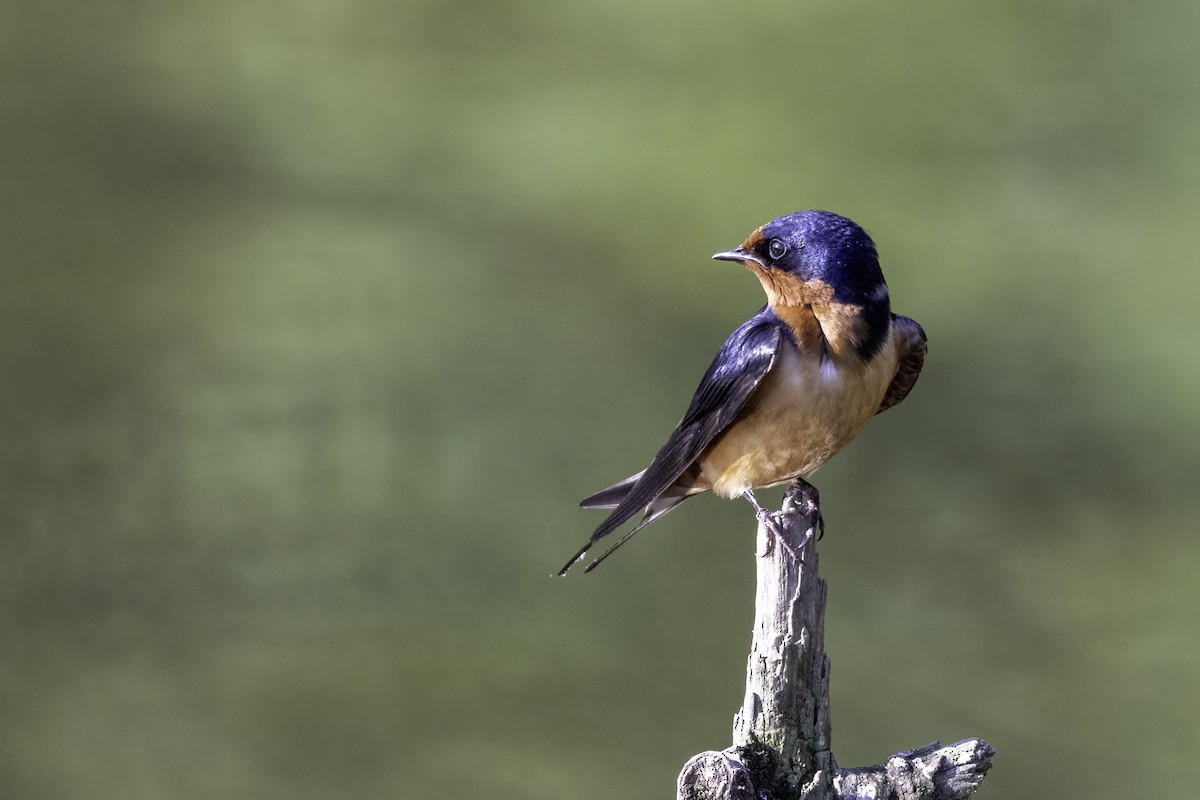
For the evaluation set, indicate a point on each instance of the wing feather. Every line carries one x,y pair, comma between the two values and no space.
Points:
912,345
738,369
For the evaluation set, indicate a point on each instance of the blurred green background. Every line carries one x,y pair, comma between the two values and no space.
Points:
320,317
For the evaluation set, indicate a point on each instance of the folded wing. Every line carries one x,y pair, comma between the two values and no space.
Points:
912,345
735,373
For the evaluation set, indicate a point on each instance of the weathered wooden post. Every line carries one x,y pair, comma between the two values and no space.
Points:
781,734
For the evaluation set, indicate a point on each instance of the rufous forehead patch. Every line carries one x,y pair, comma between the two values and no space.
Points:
753,239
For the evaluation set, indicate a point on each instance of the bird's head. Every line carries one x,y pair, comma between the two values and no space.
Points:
813,257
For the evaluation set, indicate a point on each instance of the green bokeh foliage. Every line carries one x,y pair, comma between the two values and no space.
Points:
319,317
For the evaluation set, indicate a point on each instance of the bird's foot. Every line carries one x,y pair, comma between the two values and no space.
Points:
806,498
772,528
774,533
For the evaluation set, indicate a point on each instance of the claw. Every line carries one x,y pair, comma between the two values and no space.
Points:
810,501
771,525
778,534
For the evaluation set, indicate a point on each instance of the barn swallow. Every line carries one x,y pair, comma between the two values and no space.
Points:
789,388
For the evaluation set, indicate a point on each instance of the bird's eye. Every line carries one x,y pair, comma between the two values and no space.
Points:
777,248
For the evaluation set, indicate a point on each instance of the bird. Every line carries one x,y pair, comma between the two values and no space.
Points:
791,387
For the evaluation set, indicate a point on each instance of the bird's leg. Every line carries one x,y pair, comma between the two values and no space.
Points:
770,524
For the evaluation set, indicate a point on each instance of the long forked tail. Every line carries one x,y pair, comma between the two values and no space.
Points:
656,509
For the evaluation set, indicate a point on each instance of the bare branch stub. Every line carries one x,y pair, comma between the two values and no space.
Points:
781,734
782,730
715,776
932,772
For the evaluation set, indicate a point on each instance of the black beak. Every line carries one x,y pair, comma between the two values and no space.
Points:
740,255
